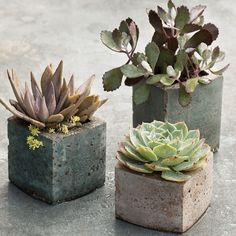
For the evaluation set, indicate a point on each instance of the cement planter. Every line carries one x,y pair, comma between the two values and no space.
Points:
149,201
204,111
65,168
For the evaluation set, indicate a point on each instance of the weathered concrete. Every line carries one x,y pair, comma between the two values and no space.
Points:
35,33
203,113
149,201
66,167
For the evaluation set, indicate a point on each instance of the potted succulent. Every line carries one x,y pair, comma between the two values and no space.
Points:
56,147
175,78
163,177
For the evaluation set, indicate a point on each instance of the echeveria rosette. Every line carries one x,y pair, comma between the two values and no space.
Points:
179,53
54,101
163,147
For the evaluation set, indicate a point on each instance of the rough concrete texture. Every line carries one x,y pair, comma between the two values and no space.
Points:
35,33
203,113
149,201
66,167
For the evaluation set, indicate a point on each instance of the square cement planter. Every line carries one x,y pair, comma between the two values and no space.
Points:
203,113
149,201
65,168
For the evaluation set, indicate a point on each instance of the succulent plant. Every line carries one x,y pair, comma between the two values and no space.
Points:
178,53
164,147
55,102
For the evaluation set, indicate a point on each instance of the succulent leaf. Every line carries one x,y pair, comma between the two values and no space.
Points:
152,52
184,97
175,176
191,85
182,17
164,151
141,94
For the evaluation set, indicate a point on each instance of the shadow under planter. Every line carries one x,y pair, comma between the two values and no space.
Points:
152,202
66,167
203,113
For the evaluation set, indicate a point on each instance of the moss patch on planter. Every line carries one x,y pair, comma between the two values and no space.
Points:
66,167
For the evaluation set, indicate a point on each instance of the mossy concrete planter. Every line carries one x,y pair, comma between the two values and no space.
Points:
204,111
149,201
65,168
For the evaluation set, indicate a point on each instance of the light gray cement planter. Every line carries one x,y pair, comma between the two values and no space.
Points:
204,111
67,167
149,201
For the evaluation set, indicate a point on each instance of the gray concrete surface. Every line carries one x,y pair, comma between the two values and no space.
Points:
35,33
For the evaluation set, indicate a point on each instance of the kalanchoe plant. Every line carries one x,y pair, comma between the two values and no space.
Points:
55,105
169,148
179,53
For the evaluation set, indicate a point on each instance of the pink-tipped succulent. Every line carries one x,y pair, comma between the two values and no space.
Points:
56,101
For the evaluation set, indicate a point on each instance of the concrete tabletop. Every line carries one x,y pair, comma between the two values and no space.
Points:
36,33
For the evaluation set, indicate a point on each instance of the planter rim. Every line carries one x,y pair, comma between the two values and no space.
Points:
77,129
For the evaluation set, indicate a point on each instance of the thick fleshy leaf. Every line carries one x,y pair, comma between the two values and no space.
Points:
194,134
172,44
146,152
46,79
156,166
135,137
132,153
183,127
117,37
55,118
134,33
166,57
212,29
221,71
112,79
215,53
170,71
133,81
200,164
138,58
175,176
167,81
181,60
204,80
156,78
57,80
191,85
16,87
189,28
182,17
159,38
28,99
50,99
43,113
170,4
135,166
173,161
71,85
132,71
21,115
195,12
184,97
152,52
155,21
108,41
202,36
162,14
34,86
141,93
164,151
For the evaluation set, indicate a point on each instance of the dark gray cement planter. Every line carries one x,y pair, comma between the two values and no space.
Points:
204,112
149,201
67,167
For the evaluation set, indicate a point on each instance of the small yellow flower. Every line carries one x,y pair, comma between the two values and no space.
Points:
74,119
34,143
64,129
34,130
51,131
